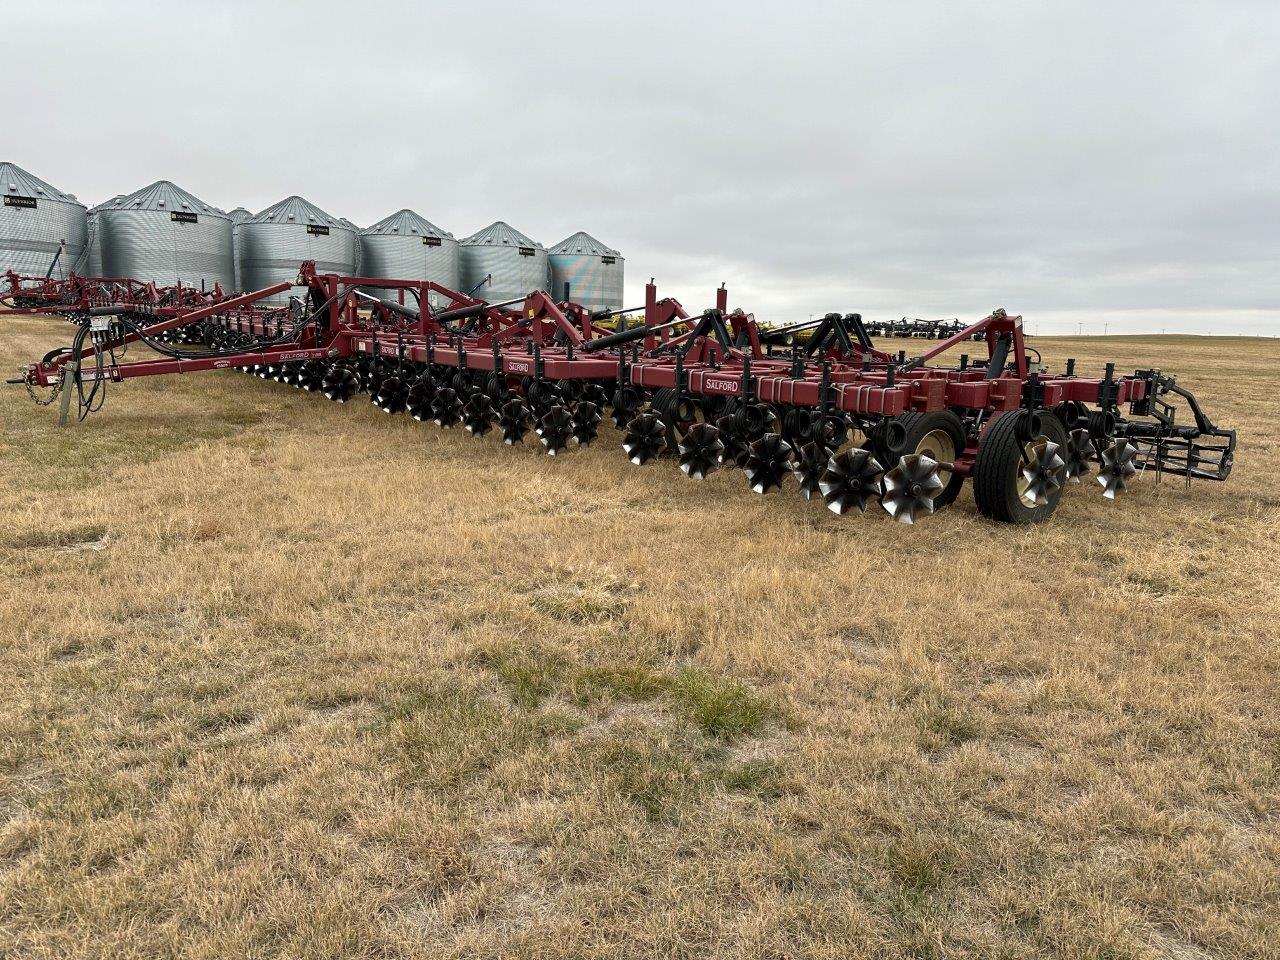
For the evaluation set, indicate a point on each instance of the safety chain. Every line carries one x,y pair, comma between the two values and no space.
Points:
29,380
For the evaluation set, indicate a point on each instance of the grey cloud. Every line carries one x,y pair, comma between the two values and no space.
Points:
1073,161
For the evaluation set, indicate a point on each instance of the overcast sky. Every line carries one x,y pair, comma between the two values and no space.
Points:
1075,162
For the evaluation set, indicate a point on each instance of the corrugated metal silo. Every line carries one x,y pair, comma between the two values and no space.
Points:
35,220
275,242
238,216
359,267
592,270
518,265
406,246
163,234
90,262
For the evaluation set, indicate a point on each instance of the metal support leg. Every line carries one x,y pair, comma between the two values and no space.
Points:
70,373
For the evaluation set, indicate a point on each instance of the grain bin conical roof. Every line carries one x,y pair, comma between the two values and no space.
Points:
583,242
296,210
164,195
406,223
499,234
17,182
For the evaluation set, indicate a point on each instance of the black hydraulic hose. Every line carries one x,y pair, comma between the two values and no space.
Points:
167,351
392,305
290,337
608,314
97,395
627,336
139,331
462,313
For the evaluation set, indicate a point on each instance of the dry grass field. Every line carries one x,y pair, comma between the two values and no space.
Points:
284,678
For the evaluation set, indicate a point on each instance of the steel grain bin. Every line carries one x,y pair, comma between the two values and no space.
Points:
592,271
275,242
90,262
163,234
35,220
407,246
238,216
359,267
517,264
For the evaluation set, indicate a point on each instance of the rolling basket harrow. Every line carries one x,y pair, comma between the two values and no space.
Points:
815,403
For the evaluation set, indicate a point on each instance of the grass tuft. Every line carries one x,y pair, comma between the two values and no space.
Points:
947,725
618,682
583,607
761,778
721,706
918,869
530,675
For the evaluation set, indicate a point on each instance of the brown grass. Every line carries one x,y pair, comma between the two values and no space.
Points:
285,678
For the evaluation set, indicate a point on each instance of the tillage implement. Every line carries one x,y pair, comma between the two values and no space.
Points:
815,405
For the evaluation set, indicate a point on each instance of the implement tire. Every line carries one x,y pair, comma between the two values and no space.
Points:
941,436
997,469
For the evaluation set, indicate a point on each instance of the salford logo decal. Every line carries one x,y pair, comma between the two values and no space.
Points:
517,367
297,355
727,386
221,364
